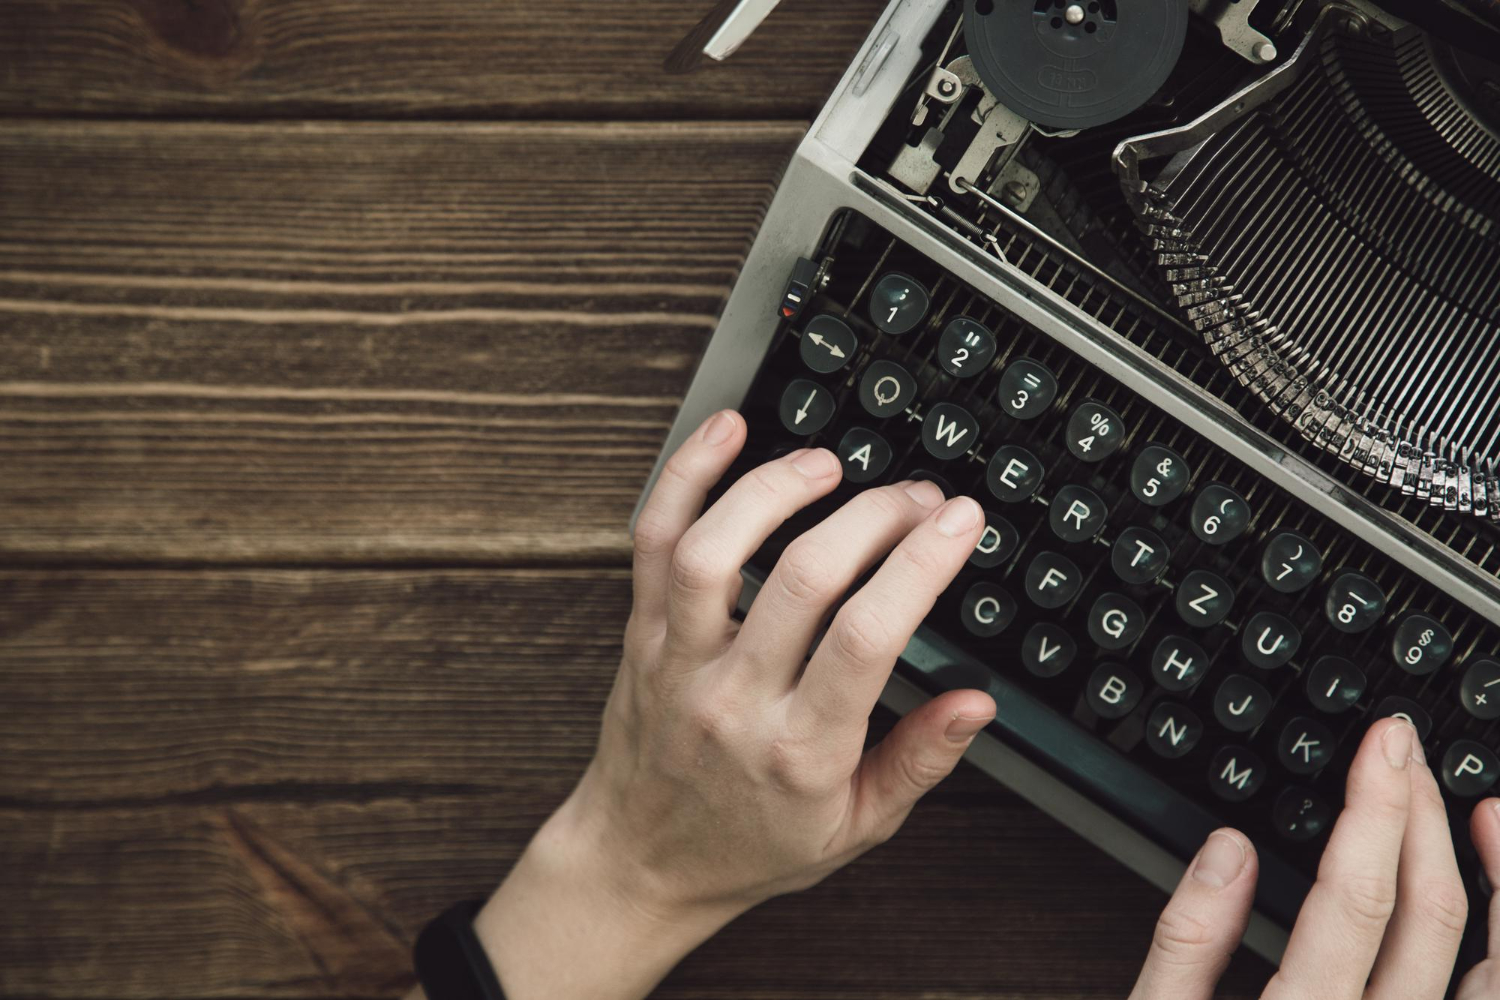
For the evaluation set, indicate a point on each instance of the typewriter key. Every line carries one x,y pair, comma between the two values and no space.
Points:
948,431
1095,432
1241,704
1420,644
1290,563
988,609
1115,621
1334,684
1047,649
806,407
1398,707
1480,690
865,455
827,344
1014,474
886,389
997,544
1235,774
1178,663
1469,768
1269,640
1113,691
1305,746
965,348
1173,730
1052,580
897,304
1300,814
1220,515
1159,476
1076,514
1204,598
1354,604
1026,389
1139,556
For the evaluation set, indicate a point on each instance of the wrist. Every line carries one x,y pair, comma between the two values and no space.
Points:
577,918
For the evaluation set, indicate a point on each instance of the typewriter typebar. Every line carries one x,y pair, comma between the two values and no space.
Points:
1189,602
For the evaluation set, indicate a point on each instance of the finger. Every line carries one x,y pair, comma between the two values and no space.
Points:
675,502
851,664
1483,981
1416,960
1338,933
705,574
1484,826
1203,923
818,568
919,752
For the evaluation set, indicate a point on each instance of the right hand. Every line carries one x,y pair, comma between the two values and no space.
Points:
1382,922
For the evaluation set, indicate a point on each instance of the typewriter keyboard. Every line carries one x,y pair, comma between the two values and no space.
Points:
1138,581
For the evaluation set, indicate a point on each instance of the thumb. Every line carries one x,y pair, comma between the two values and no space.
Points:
1202,925
920,752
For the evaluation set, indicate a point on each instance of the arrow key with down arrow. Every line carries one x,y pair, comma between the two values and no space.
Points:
806,407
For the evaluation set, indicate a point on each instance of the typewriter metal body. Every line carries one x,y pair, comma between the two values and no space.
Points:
1216,280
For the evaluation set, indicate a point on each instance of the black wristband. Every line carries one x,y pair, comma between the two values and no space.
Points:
451,963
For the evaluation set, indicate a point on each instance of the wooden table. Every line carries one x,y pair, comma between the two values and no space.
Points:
336,341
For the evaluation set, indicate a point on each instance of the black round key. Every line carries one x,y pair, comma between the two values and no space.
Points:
1235,774
1300,814
1115,621
1398,707
1027,388
1269,640
1052,580
948,431
1094,431
886,389
806,407
997,544
1178,663
1204,598
1220,515
1113,691
1334,684
1077,514
1305,746
1354,603
1014,474
1241,704
865,454
1158,476
897,303
1290,562
1139,556
928,476
965,348
1420,644
1480,689
1048,649
988,609
1469,768
1173,729
827,344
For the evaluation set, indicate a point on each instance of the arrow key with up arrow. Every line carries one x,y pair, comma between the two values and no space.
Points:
806,407
828,344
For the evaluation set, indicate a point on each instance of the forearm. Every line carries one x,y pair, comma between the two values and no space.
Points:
575,921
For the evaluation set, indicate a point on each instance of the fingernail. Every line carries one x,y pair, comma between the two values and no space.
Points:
963,728
817,464
1220,862
1495,805
925,493
718,429
959,516
1397,744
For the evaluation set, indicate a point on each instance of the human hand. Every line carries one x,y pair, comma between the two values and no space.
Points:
727,771
1382,922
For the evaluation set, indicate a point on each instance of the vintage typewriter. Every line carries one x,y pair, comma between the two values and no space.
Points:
1201,300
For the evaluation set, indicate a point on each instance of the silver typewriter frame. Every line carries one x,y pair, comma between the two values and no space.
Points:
822,179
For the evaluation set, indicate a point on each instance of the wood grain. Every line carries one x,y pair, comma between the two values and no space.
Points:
261,783
357,342
574,59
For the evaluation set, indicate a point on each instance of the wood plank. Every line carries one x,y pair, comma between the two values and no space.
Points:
370,343
591,59
260,783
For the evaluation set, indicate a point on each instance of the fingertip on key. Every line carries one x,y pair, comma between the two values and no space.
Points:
960,516
820,463
925,493
1397,744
